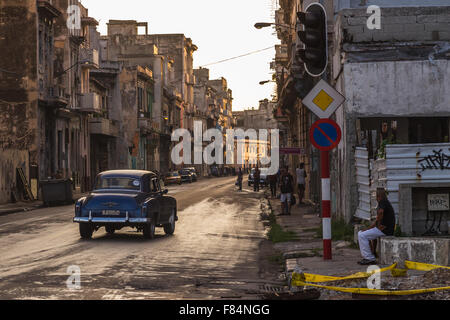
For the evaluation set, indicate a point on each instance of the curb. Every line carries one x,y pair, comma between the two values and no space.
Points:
5,212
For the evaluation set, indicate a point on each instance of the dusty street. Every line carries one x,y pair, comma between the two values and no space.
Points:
213,253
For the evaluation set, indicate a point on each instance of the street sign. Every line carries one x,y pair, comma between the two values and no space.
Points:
438,202
323,100
299,151
325,134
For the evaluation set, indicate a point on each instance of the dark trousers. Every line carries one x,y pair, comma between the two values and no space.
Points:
256,185
240,184
273,188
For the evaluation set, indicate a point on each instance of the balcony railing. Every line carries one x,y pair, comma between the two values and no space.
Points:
102,126
89,58
90,102
282,54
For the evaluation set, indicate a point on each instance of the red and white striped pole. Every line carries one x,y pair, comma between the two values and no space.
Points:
326,204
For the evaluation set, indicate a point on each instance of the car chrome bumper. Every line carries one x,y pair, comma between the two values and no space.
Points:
110,220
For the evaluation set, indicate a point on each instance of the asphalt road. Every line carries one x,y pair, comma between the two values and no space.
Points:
212,255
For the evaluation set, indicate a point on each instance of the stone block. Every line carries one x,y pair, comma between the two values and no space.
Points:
357,21
393,28
417,249
428,19
414,27
398,19
436,27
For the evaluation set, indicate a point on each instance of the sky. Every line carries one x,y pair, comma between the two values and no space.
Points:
221,29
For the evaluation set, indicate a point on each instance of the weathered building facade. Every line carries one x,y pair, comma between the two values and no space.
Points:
74,103
394,80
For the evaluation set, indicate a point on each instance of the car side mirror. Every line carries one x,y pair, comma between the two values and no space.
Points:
166,191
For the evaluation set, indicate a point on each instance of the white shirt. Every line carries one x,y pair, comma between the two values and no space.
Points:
300,176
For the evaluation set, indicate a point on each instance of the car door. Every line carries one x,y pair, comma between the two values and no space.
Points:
159,198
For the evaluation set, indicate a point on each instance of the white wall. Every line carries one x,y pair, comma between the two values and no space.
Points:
398,88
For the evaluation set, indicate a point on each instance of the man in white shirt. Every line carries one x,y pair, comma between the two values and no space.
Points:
301,182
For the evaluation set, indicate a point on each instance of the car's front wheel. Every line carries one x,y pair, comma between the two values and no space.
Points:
169,228
86,231
149,230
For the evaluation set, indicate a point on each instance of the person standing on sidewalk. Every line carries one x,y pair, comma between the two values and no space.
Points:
287,188
240,176
383,226
301,182
273,184
256,177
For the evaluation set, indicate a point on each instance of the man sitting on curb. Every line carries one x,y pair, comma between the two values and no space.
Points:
383,226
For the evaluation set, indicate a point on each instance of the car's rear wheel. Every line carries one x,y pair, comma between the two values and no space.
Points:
86,231
149,230
169,228
110,230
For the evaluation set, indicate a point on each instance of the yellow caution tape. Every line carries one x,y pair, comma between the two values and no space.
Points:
359,275
371,291
306,278
422,266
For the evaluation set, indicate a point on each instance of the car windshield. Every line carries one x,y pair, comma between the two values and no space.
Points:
118,183
184,172
173,174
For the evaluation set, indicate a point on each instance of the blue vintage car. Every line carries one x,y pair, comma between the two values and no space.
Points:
126,198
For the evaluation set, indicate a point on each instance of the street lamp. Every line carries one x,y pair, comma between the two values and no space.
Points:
260,25
266,81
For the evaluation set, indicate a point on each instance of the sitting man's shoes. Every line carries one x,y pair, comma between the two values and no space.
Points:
366,262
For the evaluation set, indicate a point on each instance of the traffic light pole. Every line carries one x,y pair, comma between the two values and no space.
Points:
326,204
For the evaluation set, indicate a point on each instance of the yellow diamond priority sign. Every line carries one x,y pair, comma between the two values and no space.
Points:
323,100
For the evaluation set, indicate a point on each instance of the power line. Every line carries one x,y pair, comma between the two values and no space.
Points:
242,55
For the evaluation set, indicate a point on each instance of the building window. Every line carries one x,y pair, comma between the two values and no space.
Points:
149,102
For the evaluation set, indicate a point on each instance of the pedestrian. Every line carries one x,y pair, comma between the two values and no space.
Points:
256,178
383,226
287,188
301,182
240,178
273,184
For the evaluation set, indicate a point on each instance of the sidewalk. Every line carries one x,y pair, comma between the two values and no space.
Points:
305,250
10,208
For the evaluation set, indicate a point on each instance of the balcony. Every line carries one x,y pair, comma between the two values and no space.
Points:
57,97
282,54
90,102
104,127
89,58
145,124
47,9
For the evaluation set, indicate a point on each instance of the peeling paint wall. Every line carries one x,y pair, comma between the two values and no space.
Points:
18,91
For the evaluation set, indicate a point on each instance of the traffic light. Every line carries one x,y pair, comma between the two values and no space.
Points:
303,84
315,39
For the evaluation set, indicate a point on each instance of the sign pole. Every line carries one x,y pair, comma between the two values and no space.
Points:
326,204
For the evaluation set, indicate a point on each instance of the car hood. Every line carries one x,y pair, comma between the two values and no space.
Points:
114,201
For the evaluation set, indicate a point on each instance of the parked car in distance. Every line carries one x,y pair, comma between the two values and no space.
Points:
126,198
193,172
172,178
186,176
262,177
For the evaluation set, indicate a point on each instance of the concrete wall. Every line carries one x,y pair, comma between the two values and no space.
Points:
397,24
392,72
18,91
10,160
425,250
413,208
398,88
347,4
